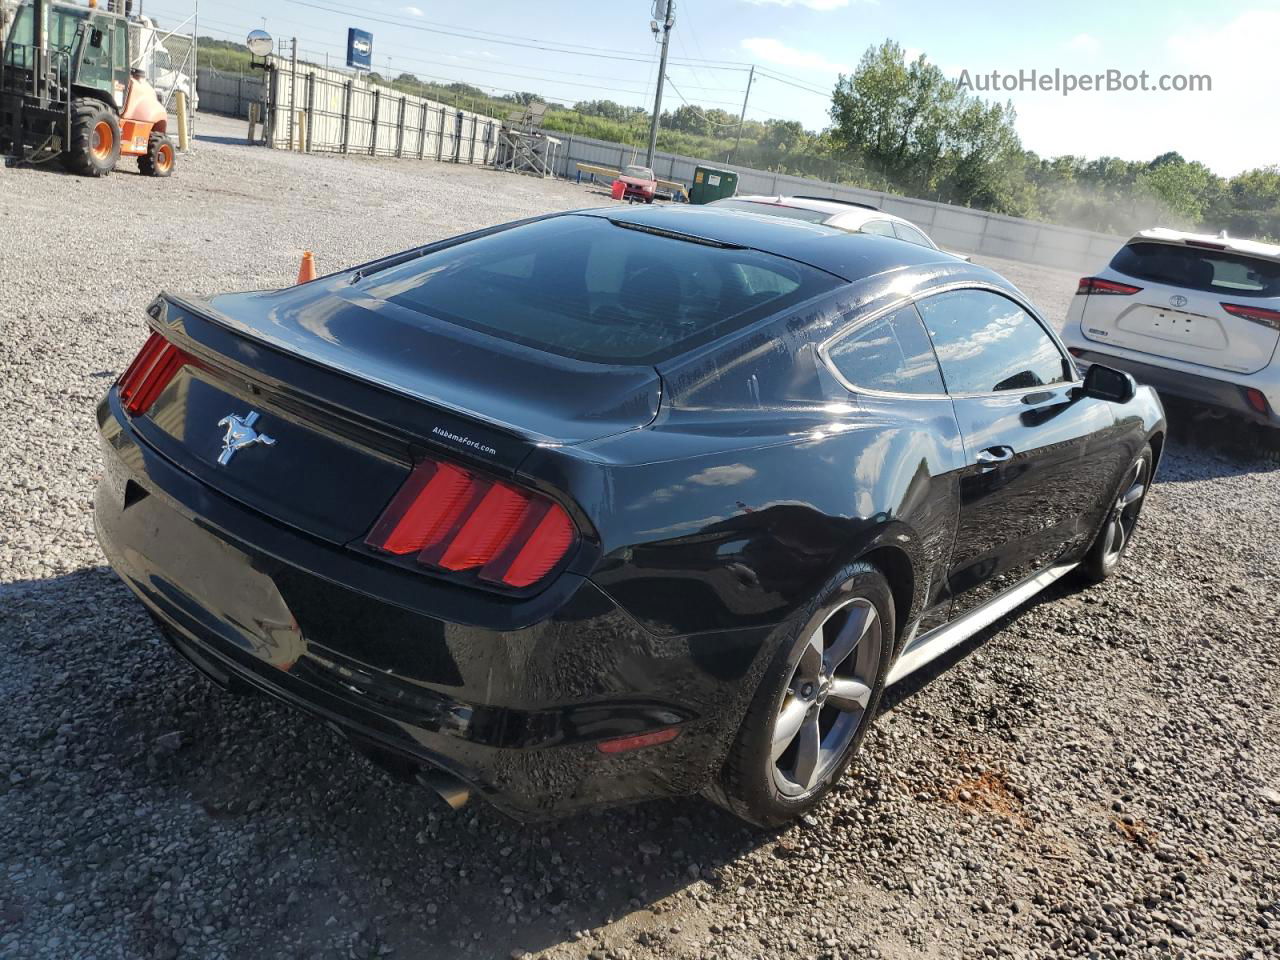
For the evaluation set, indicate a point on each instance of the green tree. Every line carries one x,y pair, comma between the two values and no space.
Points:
1184,188
895,115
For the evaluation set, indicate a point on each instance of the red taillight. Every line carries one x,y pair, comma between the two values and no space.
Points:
456,520
152,369
1257,399
1268,318
1097,285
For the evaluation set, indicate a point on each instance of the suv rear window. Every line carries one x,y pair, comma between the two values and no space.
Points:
587,288
1216,271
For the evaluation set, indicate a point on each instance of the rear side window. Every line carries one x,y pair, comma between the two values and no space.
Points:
586,288
912,235
881,228
1215,271
891,353
986,342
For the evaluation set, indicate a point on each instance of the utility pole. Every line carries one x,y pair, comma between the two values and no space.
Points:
664,18
742,117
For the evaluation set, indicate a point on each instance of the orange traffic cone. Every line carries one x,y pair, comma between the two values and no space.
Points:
307,271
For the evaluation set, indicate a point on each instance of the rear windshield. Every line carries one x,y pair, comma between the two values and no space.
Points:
640,173
775,210
585,288
1216,271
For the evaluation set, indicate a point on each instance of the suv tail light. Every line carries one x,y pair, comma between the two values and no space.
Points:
1096,285
457,520
1268,318
152,369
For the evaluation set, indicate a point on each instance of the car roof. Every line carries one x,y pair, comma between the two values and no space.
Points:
1253,248
851,214
850,256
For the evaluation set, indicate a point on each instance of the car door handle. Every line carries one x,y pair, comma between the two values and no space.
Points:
994,456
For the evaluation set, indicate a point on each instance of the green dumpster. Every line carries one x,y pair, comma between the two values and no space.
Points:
712,184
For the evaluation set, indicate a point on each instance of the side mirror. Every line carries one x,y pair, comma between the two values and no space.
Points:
1107,383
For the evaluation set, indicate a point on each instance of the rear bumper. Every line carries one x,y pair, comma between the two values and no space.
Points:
1220,394
516,713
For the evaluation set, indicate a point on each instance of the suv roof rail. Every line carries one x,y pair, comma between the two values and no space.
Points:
847,203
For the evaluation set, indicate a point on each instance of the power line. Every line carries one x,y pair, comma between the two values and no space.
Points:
614,88
700,115
546,46
760,72
230,30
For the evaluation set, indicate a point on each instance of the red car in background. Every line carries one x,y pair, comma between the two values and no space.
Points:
638,183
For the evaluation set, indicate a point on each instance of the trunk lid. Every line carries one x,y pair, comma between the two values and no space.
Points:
335,399
533,394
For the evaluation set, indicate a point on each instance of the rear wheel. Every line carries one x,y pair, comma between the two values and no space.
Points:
1122,521
814,704
1269,444
94,147
159,158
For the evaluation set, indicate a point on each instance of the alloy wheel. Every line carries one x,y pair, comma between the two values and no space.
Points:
825,702
1124,515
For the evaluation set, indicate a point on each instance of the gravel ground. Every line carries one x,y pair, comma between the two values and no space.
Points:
1099,776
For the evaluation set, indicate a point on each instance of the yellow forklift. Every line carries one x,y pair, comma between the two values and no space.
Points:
67,91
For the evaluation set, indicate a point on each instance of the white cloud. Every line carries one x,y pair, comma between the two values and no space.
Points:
771,50
1084,43
413,11
811,4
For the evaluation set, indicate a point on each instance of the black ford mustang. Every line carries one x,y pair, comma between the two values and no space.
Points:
611,505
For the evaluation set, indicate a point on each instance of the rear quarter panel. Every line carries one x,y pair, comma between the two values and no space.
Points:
761,477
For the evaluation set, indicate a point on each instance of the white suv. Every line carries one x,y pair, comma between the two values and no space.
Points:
1196,317
841,214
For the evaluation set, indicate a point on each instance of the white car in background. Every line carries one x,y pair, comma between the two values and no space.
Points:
1197,317
842,214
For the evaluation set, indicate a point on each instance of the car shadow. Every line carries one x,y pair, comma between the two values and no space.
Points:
906,688
252,795
1202,446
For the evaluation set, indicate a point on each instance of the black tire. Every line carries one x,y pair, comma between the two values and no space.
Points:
751,784
94,147
1103,558
1269,444
159,158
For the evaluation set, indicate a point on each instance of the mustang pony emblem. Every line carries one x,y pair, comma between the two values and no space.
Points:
240,434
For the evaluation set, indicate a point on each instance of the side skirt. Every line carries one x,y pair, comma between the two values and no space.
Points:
928,647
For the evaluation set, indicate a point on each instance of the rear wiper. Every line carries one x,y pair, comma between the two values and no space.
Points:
676,235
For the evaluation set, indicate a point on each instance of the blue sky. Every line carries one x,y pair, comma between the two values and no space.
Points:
1231,128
